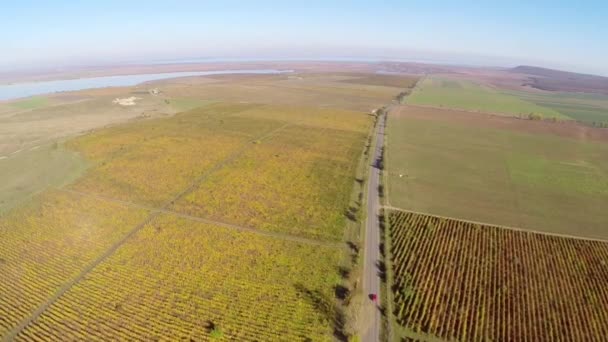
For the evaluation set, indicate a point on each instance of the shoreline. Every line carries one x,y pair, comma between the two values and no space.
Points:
110,81
11,78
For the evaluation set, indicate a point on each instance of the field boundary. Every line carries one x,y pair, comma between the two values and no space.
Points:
499,226
496,90
13,333
493,114
385,159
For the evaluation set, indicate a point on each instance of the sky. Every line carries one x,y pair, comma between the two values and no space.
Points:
570,35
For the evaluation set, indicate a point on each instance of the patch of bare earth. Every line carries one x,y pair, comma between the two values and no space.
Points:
567,129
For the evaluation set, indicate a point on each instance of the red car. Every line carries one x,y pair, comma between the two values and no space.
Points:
373,297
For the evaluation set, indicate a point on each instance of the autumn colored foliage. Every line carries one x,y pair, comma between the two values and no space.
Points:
470,282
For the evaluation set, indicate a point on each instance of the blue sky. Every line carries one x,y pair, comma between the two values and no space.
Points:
567,34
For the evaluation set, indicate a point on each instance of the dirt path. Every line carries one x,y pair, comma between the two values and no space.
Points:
210,221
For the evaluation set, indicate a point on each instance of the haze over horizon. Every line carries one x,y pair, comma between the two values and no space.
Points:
555,34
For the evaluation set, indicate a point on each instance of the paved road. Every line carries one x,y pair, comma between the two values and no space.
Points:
371,316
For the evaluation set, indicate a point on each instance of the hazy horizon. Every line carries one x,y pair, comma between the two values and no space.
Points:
566,36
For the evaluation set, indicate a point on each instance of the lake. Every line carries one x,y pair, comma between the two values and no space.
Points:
20,90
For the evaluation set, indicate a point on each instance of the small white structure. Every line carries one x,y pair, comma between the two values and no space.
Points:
128,101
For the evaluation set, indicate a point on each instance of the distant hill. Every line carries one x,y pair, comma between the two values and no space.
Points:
557,80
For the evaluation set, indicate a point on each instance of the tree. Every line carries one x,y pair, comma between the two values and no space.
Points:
402,97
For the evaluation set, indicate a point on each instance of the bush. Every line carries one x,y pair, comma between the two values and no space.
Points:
216,333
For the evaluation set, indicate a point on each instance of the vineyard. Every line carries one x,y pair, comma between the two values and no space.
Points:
150,162
464,281
324,118
297,182
262,170
48,242
226,221
178,280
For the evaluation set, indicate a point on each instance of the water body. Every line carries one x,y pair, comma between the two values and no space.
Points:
20,90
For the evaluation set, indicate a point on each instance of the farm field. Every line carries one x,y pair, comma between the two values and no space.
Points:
42,120
151,162
328,90
467,95
137,199
384,80
182,280
32,103
551,177
21,176
297,181
35,122
455,280
587,108
50,240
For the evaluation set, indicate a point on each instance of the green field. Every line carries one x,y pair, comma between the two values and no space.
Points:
588,108
467,169
467,95
31,103
22,174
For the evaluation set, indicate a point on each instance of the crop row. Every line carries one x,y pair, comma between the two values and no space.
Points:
48,242
459,280
177,279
